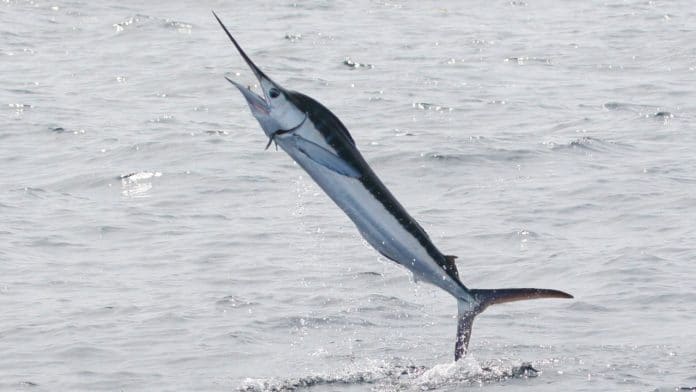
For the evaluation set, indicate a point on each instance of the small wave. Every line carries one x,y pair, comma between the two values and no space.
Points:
180,27
19,108
131,21
370,273
402,132
391,307
355,65
647,111
141,20
37,193
432,106
663,114
623,106
316,322
25,384
137,184
525,60
492,155
443,157
137,176
165,118
587,143
20,91
399,377
293,37
232,301
587,307
524,234
218,132
59,129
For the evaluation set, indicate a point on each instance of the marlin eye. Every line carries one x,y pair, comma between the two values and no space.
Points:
273,93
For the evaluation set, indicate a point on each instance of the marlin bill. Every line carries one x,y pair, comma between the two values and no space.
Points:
317,140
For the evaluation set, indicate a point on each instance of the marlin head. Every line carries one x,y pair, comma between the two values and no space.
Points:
274,111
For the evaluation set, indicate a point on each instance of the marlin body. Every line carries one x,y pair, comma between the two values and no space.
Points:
317,140
341,171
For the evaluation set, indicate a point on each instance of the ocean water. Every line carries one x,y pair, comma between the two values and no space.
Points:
150,243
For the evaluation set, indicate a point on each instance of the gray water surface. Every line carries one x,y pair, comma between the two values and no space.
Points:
150,243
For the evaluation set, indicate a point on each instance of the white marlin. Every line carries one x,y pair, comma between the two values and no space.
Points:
317,140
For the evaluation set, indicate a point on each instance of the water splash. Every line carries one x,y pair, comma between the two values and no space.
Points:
137,184
383,376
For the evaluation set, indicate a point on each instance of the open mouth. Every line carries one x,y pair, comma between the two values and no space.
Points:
256,102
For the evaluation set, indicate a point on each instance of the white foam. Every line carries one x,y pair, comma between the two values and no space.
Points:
383,376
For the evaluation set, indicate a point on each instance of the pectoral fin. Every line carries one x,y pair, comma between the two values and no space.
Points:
326,158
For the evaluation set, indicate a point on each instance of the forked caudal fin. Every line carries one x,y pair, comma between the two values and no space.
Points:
487,297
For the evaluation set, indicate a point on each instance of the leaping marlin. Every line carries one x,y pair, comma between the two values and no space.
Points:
317,140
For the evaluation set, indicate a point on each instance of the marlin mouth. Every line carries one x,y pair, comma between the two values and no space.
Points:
255,101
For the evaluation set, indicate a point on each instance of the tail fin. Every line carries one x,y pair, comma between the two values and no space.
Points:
484,298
